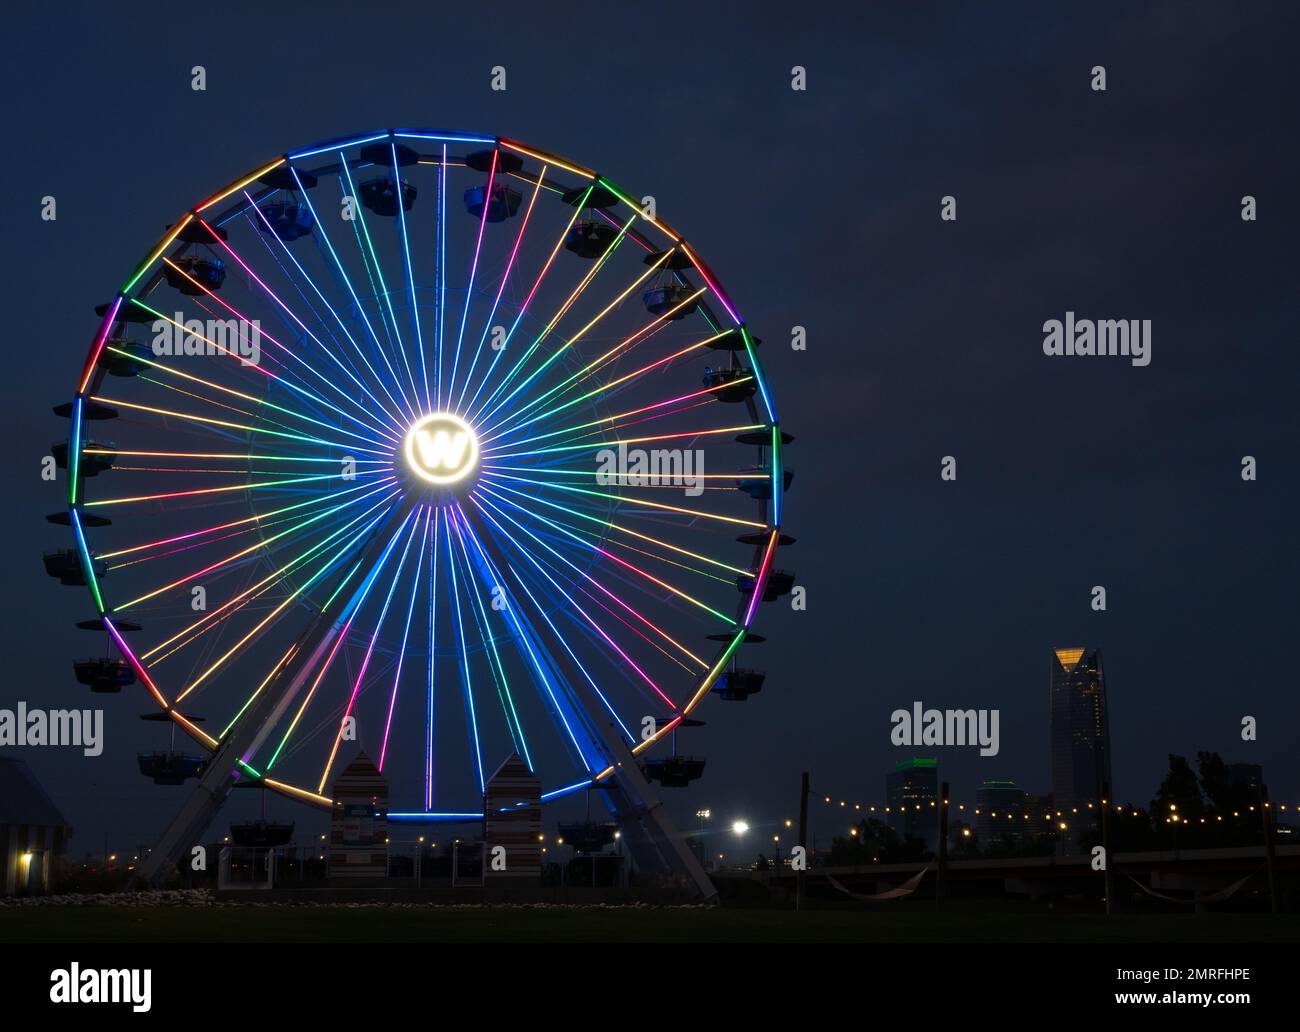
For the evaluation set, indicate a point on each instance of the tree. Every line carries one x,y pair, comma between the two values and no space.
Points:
875,843
1179,793
1227,798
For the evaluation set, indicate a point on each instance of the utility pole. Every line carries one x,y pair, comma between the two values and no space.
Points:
1266,815
941,876
803,841
1105,847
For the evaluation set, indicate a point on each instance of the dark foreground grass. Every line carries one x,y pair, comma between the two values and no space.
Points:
559,924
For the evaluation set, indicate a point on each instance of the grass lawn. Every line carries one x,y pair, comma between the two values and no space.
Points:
497,924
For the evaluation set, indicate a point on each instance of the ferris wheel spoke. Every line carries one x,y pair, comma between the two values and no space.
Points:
322,235
620,618
483,506
622,529
505,342
627,503
261,626
591,446
190,378
599,526
204,399
621,420
473,272
466,685
209,421
378,288
410,285
669,480
587,533
291,379
560,312
440,269
431,698
406,633
249,522
564,643
630,567
340,355
583,575
555,249
275,670
567,344
333,348
223,563
609,387
354,607
370,649
266,584
223,489
391,415
360,229
260,527
625,615
513,423
496,668
563,706
505,278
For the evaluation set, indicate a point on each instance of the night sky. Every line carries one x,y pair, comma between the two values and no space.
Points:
821,209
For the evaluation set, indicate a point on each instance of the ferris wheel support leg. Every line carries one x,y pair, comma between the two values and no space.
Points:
187,827
219,775
654,842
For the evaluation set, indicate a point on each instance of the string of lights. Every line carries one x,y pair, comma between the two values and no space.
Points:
1047,814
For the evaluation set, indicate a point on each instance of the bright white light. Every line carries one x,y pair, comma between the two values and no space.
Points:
441,449
740,827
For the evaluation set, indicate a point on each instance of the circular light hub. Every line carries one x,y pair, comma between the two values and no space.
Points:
441,449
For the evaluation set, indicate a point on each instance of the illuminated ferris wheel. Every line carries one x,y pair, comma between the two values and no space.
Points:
428,444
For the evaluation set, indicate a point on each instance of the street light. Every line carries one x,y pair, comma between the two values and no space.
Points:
740,827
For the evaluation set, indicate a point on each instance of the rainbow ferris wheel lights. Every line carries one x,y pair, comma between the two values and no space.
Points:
395,514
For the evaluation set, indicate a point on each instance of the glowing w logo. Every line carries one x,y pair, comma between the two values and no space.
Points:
441,450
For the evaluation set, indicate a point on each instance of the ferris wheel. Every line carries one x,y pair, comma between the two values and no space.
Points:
429,444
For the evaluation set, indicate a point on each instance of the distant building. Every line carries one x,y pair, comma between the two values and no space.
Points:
1001,806
1249,774
32,831
910,790
1080,736
1040,817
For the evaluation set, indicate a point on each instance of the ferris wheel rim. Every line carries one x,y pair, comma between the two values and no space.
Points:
93,371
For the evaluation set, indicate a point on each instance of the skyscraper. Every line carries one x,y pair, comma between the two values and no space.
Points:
911,790
1000,812
1080,736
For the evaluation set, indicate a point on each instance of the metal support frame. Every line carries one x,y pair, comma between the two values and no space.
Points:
222,771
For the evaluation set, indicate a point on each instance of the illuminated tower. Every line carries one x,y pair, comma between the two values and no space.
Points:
911,790
1080,736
